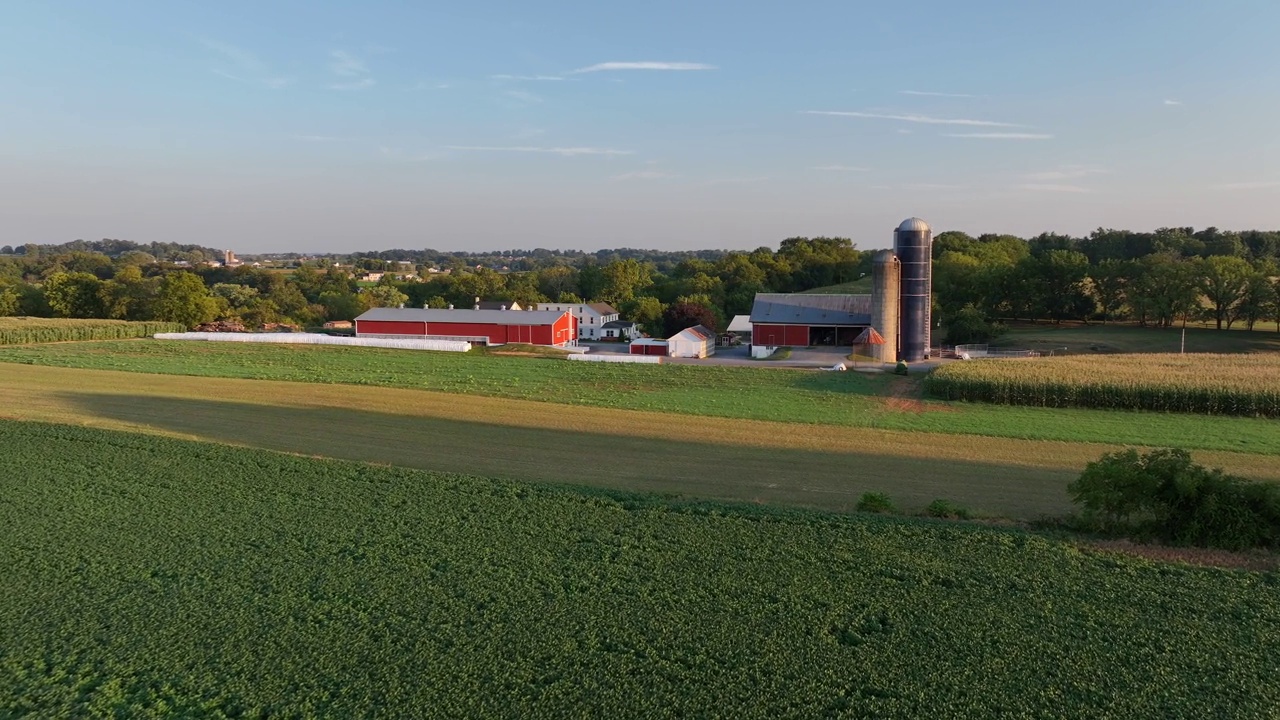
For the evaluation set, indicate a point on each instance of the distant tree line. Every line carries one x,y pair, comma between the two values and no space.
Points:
1170,276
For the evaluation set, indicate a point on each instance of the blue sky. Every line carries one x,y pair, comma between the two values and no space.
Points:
325,126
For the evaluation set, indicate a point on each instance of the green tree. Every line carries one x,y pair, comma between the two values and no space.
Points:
679,316
1255,303
382,296
646,312
9,302
623,280
557,280
237,296
344,305
1108,281
1223,280
74,295
183,298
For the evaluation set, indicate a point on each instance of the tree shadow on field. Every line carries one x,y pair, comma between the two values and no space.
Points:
827,480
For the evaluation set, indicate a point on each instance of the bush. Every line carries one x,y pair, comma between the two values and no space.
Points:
970,325
900,368
875,503
1163,495
946,509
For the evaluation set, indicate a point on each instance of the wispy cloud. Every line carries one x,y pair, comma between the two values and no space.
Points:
740,180
360,84
1001,136
1251,185
531,78
643,65
353,74
347,65
317,138
903,131
1172,102
642,175
1067,172
1053,188
565,151
402,156
923,93
924,119
523,96
841,168
248,68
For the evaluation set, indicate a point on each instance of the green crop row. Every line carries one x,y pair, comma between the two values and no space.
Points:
148,577
21,331
1247,385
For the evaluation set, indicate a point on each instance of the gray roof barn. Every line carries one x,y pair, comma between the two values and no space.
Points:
801,309
488,317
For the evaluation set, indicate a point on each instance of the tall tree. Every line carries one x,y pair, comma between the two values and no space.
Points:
1223,281
624,279
183,298
74,295
1108,280
679,316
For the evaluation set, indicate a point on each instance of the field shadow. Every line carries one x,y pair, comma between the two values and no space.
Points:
827,480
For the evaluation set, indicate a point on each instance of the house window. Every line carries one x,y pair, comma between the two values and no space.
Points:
591,321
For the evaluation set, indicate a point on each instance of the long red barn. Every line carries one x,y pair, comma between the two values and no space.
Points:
491,327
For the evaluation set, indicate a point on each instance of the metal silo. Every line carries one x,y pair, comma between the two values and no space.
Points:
912,243
885,296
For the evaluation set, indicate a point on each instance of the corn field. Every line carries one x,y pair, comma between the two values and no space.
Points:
1247,385
21,331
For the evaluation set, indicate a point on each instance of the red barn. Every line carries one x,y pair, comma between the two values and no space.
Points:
799,320
491,327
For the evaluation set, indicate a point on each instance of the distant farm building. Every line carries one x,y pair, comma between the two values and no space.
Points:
797,320
497,305
898,306
694,342
619,330
490,327
591,317
648,346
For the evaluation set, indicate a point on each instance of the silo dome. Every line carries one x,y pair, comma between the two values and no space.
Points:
913,225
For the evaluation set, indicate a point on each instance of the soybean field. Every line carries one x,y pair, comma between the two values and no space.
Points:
150,576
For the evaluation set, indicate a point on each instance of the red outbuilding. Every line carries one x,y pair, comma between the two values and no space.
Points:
648,346
491,327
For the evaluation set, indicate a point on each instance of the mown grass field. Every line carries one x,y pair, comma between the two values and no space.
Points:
756,393
15,330
1095,339
861,286
156,577
1247,385
821,466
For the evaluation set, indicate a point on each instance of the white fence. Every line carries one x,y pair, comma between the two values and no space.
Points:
645,359
970,352
320,339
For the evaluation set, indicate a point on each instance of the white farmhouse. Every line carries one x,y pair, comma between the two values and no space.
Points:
592,317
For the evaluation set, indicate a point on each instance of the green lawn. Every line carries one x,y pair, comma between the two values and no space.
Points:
861,286
154,577
762,393
1075,338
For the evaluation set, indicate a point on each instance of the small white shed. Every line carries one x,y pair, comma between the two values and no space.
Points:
694,342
